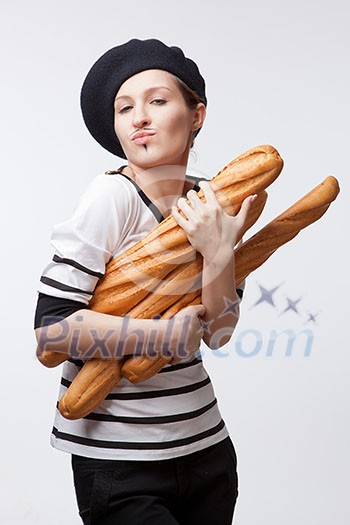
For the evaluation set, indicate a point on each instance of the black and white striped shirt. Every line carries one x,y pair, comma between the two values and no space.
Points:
173,413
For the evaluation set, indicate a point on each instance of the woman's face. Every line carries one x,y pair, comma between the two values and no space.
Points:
151,102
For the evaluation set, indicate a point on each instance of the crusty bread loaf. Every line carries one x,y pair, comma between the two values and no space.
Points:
50,359
136,273
186,277
256,250
252,254
133,275
168,291
145,268
249,256
91,385
138,369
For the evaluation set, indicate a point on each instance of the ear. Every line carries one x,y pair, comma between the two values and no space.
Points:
199,116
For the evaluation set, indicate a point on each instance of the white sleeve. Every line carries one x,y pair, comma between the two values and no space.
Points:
85,243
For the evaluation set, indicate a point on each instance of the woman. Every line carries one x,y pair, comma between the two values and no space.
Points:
157,452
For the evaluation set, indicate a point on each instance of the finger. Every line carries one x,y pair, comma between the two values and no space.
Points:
242,215
195,309
199,309
193,198
182,221
185,207
243,212
208,192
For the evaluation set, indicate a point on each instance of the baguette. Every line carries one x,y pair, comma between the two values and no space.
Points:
138,369
130,277
249,256
135,274
167,292
186,278
256,250
50,359
90,386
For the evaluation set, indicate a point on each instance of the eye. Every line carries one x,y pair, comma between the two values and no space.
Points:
159,101
124,109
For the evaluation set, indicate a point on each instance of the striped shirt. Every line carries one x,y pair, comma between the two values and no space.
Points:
173,413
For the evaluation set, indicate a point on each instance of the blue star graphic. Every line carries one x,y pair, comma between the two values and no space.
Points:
232,307
206,325
292,305
311,318
267,295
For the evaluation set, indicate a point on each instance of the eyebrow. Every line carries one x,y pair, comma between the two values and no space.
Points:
153,88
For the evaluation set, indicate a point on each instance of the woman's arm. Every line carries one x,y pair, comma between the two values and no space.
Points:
220,299
87,334
213,233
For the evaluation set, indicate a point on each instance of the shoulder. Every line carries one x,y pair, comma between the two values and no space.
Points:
105,195
108,187
102,210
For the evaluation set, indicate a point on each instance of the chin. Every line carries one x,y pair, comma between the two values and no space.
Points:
149,159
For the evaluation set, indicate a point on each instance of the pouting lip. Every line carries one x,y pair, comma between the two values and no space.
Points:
140,134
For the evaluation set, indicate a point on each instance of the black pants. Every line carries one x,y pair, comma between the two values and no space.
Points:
198,489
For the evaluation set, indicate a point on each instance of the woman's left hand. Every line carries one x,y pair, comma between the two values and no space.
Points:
209,228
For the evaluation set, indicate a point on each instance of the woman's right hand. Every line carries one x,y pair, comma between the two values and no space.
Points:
187,332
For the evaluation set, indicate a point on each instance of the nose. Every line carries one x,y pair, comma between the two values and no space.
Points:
140,117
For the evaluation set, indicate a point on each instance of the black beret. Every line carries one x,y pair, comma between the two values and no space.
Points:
117,65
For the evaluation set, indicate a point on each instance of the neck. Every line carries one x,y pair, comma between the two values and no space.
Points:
163,185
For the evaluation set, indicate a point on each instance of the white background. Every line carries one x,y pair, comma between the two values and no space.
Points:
277,73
